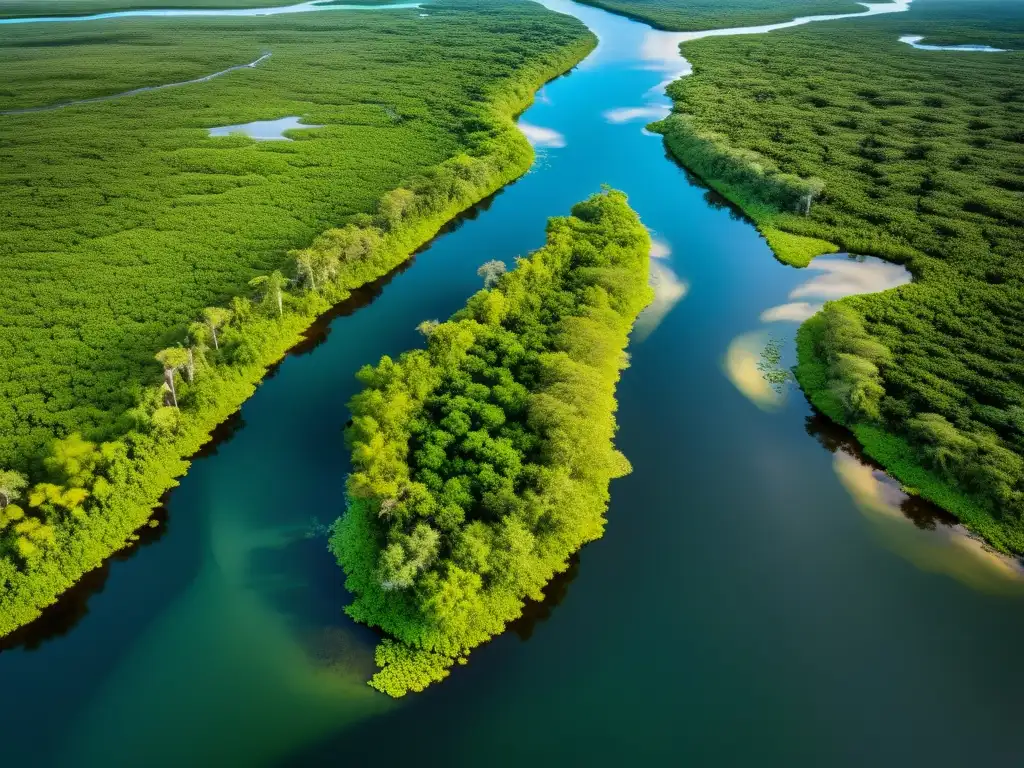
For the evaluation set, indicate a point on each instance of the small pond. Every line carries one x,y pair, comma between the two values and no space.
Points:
264,130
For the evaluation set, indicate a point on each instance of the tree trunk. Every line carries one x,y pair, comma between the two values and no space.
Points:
190,370
169,378
280,305
213,330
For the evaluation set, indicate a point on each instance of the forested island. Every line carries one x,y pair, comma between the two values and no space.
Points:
483,462
162,306
914,156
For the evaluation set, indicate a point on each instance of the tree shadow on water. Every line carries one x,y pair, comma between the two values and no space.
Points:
58,619
834,437
534,612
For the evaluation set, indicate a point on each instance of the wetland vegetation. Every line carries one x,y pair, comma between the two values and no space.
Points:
482,463
914,156
141,306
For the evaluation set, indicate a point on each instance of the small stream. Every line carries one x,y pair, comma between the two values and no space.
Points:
762,594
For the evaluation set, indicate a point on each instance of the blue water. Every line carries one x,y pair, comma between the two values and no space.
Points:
264,130
753,601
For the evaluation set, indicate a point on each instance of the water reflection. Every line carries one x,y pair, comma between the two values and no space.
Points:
743,367
541,137
320,329
629,114
537,612
914,528
60,618
833,277
264,130
669,290
308,683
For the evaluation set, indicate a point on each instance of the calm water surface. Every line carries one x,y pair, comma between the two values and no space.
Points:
761,596
264,130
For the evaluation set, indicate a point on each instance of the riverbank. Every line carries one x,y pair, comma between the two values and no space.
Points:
898,457
912,172
143,465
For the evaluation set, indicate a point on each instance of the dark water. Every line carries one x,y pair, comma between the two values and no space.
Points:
759,596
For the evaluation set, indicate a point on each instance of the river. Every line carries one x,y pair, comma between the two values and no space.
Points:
760,596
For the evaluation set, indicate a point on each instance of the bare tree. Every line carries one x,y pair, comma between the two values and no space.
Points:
491,272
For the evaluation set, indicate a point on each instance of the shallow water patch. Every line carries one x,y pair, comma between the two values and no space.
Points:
264,130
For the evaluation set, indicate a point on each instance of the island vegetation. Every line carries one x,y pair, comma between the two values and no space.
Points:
914,156
153,273
482,463
694,15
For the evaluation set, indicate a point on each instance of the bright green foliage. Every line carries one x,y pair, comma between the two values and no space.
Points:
483,462
190,221
921,157
693,15
853,359
405,669
795,250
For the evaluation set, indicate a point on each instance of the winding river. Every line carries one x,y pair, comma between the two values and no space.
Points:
761,596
